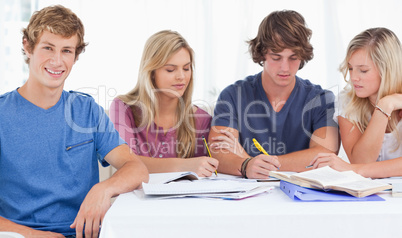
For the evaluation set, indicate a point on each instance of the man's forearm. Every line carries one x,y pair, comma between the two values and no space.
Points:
7,225
128,178
229,163
297,161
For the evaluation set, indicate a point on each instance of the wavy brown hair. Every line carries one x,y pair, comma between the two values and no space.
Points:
282,30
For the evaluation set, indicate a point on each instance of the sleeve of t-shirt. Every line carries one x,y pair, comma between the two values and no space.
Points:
340,104
107,137
203,123
123,119
225,109
324,109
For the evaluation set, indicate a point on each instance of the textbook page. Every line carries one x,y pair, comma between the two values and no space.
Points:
362,185
281,174
326,176
287,176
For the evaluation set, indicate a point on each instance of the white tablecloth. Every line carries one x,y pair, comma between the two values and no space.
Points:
267,215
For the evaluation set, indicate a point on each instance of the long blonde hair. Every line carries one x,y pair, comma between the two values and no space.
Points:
143,99
384,49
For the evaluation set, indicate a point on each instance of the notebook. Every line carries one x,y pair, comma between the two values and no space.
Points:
198,187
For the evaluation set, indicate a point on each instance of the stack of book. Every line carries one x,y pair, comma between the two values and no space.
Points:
188,184
328,179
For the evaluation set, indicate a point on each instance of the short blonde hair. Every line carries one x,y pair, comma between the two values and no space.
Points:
58,20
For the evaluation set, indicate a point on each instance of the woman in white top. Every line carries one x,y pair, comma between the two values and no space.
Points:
369,108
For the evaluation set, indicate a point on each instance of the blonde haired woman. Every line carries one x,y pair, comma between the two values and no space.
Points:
157,118
369,109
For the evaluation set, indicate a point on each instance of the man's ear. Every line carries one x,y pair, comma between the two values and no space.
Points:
27,49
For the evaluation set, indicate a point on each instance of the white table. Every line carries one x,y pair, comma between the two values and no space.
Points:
6,234
267,215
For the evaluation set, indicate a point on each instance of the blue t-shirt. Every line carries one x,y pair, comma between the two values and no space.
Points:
49,158
244,106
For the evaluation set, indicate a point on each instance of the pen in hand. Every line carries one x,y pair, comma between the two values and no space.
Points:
259,147
209,153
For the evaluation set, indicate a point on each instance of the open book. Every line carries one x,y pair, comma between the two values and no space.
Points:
326,178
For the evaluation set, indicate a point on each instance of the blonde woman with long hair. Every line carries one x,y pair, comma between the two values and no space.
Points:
369,108
157,118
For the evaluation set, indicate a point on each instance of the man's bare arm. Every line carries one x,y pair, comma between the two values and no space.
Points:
323,140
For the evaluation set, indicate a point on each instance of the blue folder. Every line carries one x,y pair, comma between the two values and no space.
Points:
298,193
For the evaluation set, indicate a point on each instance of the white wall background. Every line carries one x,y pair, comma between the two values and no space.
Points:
216,29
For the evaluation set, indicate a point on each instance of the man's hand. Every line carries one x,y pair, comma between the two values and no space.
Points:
259,166
91,213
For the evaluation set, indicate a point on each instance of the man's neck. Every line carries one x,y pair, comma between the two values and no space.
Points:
42,97
277,95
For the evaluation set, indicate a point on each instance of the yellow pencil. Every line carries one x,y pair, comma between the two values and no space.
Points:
259,147
209,153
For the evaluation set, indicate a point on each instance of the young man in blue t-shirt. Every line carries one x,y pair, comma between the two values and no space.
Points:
290,117
51,141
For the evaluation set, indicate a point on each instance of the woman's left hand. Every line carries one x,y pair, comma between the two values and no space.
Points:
227,141
331,160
